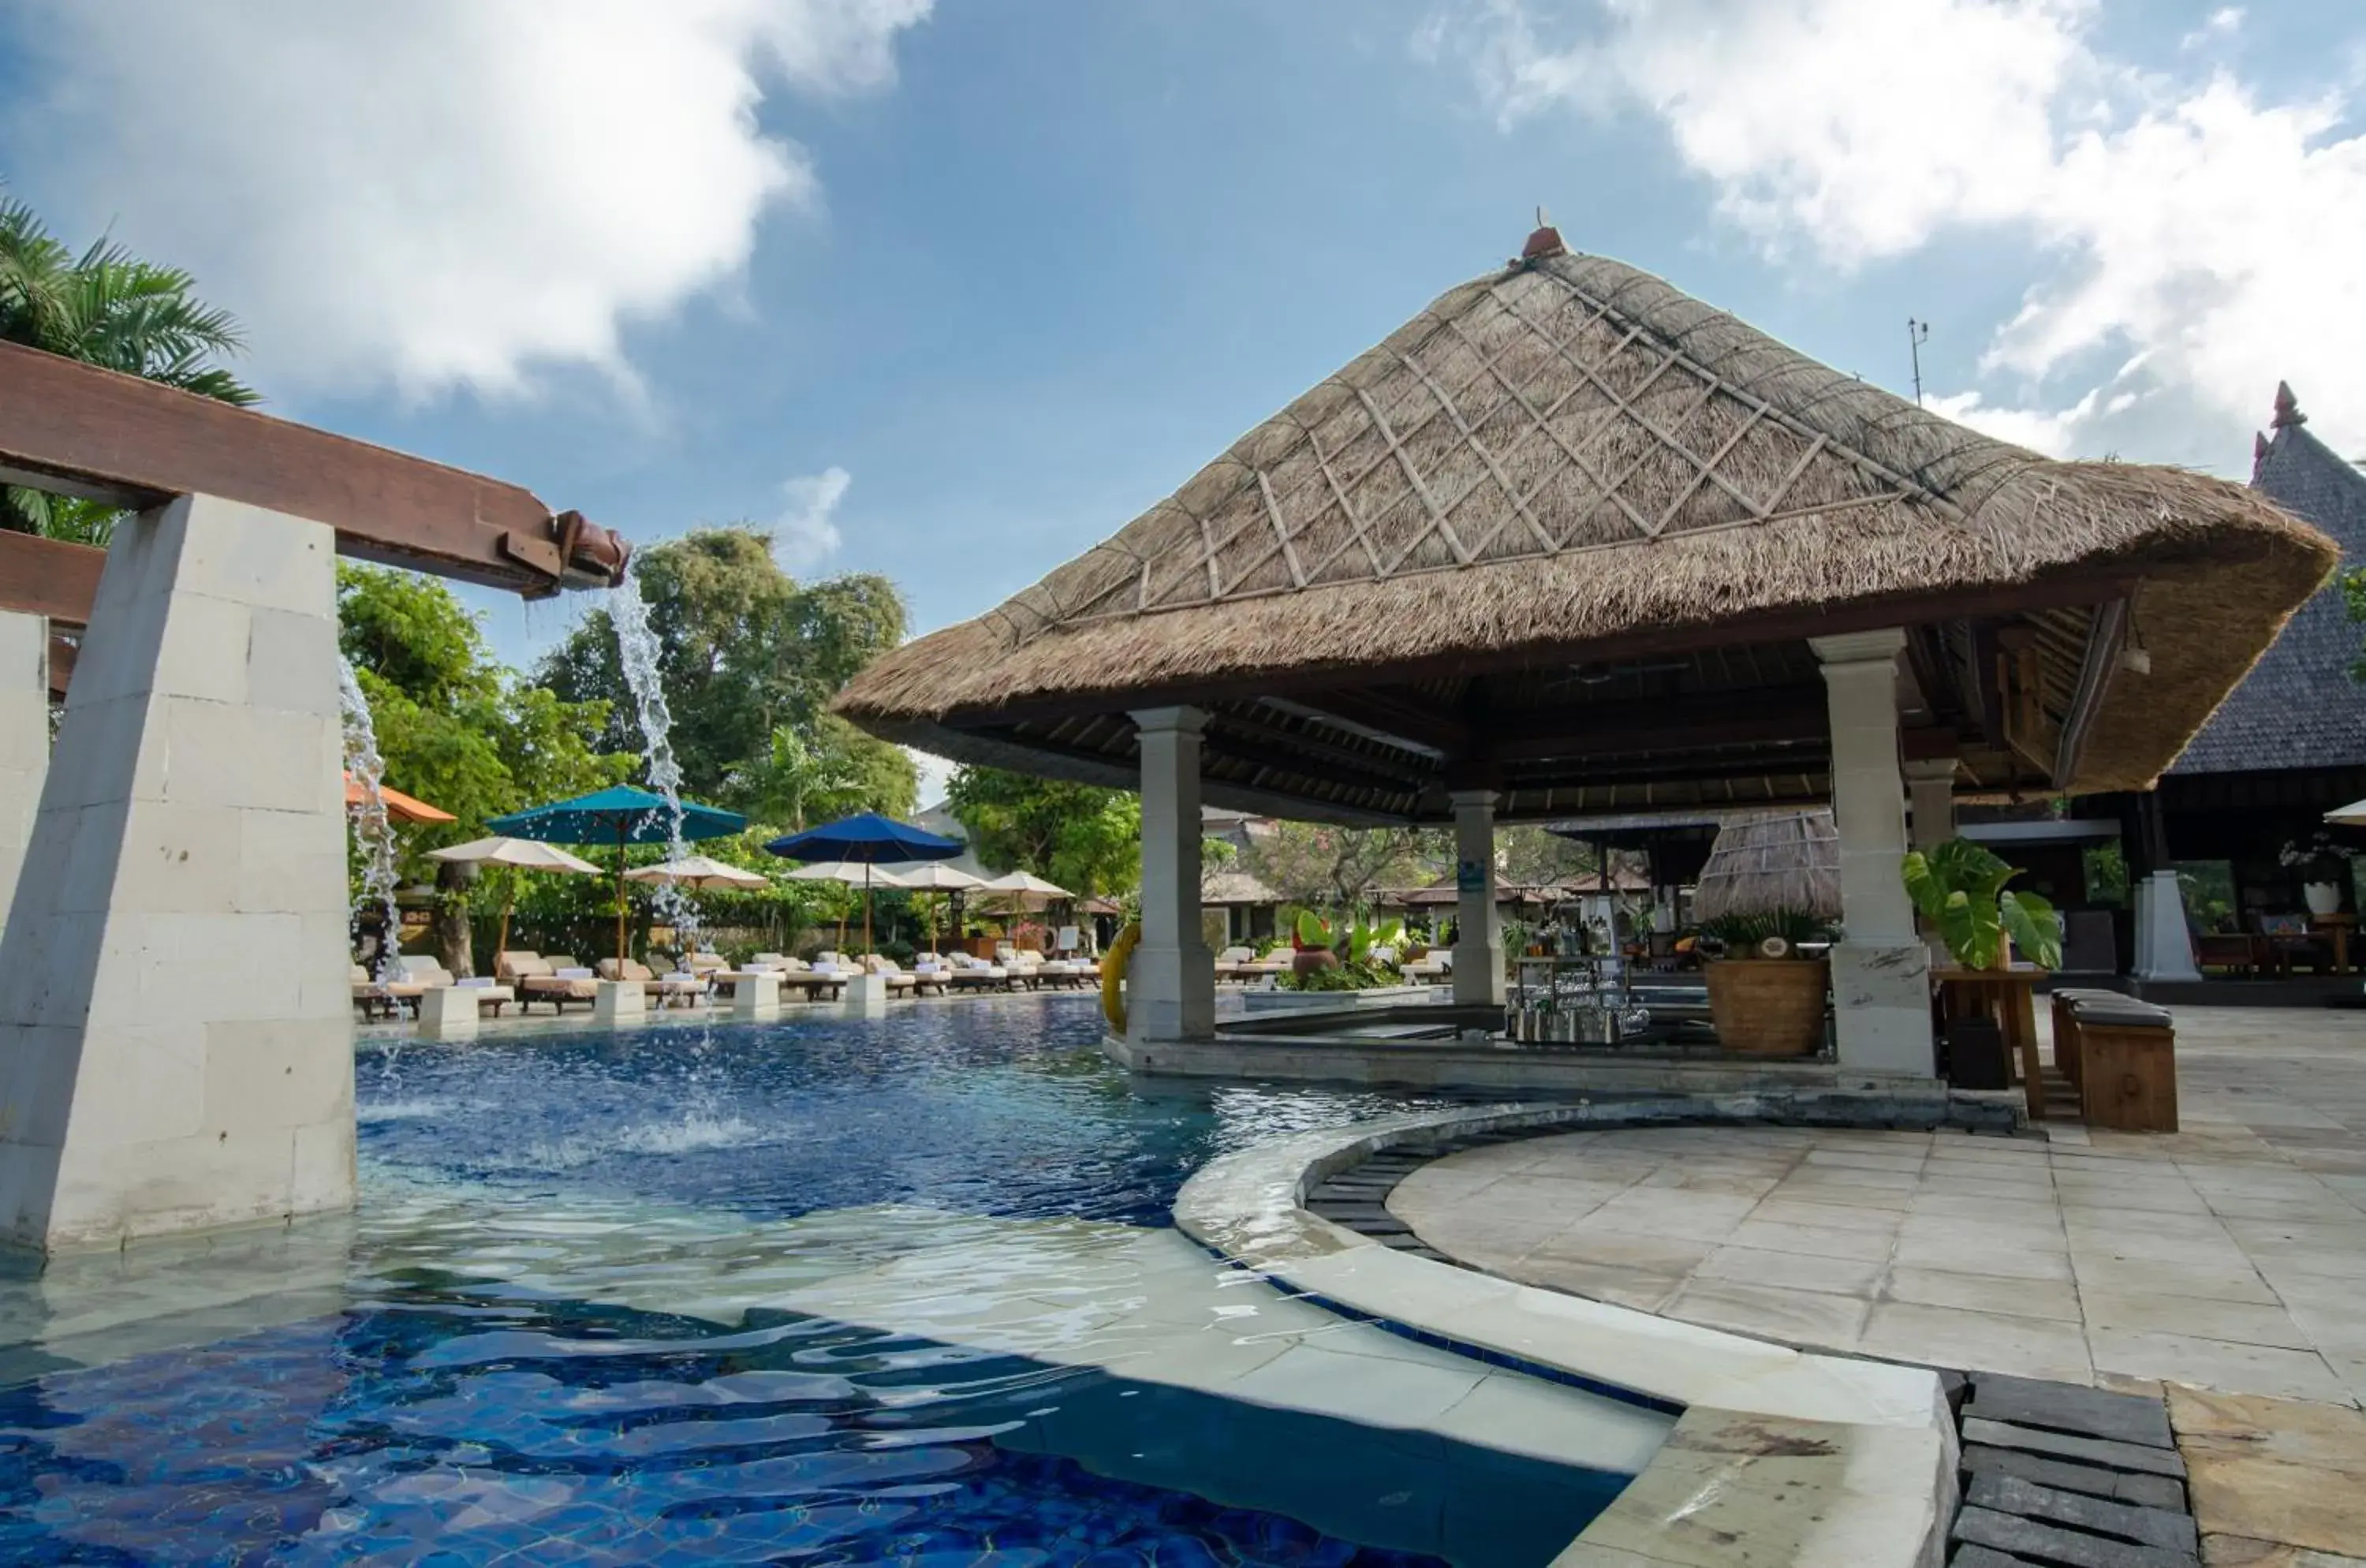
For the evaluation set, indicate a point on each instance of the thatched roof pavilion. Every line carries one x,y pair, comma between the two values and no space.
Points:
1565,535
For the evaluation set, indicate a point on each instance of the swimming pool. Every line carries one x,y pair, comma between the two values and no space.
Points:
824,1291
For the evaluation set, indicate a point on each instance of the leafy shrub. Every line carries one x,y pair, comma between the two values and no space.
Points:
1741,934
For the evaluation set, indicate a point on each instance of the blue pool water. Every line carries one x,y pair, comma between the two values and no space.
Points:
505,1358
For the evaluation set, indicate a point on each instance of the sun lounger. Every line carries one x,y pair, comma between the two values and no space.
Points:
556,979
663,989
421,976
899,979
371,998
974,974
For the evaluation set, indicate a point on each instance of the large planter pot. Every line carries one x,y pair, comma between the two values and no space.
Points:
1769,1007
2324,897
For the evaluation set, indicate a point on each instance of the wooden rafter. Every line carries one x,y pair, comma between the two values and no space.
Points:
79,430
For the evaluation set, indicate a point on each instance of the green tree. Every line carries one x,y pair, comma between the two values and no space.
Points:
1086,839
104,307
821,773
456,728
1335,868
744,651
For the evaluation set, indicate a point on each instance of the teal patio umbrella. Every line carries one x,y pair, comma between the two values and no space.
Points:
619,815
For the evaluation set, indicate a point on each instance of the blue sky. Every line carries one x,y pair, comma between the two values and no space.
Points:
955,291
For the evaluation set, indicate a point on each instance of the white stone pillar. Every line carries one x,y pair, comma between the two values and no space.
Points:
756,995
1931,796
1170,986
175,1016
1478,925
866,996
24,740
619,1004
2164,945
449,1012
1881,971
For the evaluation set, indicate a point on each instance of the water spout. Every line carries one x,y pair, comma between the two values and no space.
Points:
637,645
371,823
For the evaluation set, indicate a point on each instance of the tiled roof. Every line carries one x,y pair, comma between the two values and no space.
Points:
2298,708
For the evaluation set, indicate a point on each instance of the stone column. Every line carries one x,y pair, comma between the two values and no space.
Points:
1881,981
1171,988
1478,925
176,1020
2164,944
24,740
1931,796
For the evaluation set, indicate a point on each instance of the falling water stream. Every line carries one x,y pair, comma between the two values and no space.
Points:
637,645
376,830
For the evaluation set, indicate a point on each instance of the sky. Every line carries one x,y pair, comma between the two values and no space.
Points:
952,291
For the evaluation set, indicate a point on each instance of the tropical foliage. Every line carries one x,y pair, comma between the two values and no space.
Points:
1745,935
745,653
104,307
1087,840
1960,889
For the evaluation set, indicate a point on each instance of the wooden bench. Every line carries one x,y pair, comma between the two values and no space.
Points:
2121,1055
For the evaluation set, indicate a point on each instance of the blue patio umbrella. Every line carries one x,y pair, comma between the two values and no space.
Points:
619,815
872,840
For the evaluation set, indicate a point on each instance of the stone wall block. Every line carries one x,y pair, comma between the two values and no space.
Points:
292,662
283,866
270,758
246,555
205,650
287,1075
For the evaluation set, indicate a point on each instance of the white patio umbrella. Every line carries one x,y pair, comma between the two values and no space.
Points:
2350,816
852,874
1023,890
930,877
523,854
700,871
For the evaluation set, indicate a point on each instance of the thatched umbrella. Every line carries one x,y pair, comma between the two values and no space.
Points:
1762,864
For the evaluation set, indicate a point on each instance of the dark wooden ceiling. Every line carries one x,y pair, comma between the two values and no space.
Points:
1719,728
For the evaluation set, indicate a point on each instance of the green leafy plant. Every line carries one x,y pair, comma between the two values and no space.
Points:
1358,937
1741,934
1960,889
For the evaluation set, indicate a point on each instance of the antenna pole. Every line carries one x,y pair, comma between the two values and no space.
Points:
1916,334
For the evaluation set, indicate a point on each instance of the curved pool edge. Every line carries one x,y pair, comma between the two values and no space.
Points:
1780,1455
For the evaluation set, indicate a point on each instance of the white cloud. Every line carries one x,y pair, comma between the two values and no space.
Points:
2207,239
2225,22
445,193
935,773
806,533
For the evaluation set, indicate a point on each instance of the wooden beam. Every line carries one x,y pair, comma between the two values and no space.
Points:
49,576
79,429
1403,769
2106,639
1378,716
1234,747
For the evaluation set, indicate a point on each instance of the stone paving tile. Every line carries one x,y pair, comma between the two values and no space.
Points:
1812,1241
2281,1475
2231,1255
1797,1317
1985,1292
1835,1276
2216,1364
1981,1341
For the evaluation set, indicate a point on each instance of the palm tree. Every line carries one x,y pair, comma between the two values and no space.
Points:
103,307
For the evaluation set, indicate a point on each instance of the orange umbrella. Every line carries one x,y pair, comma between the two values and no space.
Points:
399,805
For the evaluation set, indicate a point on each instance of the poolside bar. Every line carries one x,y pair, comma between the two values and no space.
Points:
1571,544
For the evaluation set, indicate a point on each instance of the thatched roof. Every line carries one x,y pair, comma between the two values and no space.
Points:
1787,862
1555,481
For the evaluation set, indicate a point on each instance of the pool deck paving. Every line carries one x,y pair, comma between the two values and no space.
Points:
2225,1262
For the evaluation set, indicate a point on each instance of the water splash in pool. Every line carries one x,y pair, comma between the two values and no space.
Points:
375,829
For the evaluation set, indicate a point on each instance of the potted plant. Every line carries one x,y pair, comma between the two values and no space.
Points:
1765,990
1960,889
2323,863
